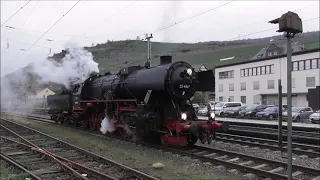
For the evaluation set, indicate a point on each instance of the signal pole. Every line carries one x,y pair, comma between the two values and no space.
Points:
291,24
148,63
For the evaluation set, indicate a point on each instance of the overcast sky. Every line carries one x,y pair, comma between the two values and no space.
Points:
97,21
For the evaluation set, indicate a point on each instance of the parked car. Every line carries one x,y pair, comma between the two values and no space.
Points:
298,113
315,117
219,107
196,107
268,113
203,111
234,112
251,110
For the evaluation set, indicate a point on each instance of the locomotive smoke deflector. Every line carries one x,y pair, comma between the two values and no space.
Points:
165,60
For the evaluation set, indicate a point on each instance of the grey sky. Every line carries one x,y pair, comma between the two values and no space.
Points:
89,23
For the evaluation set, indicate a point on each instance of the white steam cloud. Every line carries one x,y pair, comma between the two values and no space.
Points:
106,126
77,64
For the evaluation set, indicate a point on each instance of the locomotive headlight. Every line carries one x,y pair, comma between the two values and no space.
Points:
189,72
212,115
184,116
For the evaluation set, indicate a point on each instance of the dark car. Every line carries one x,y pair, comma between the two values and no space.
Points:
268,113
298,113
234,112
251,110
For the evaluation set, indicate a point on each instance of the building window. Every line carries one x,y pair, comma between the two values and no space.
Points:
231,99
270,84
258,70
272,69
250,72
242,72
226,74
295,66
256,85
220,87
254,71
308,64
268,69
314,63
263,70
221,98
47,91
293,83
311,81
231,87
246,72
243,86
244,99
275,53
269,53
301,65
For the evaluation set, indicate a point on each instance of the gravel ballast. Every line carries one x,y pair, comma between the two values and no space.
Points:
138,156
302,160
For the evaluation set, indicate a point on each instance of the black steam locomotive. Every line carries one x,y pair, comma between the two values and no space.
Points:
152,102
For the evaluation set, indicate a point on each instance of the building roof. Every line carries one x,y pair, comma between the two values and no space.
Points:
296,46
200,67
269,58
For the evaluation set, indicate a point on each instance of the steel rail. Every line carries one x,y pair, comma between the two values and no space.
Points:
258,143
41,151
68,162
16,164
259,159
108,161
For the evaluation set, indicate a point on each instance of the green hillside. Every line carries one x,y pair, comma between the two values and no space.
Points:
113,55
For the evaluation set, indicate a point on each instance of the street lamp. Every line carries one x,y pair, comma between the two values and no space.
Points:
289,23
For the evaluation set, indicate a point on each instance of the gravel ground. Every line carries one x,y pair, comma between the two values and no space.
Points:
265,153
141,157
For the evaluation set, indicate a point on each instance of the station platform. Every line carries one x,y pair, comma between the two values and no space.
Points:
304,124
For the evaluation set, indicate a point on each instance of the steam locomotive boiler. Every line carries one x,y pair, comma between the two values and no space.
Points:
152,102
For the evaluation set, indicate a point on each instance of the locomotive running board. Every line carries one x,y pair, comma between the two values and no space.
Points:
206,81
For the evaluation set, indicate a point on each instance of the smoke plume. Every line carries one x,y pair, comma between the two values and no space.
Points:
106,126
17,87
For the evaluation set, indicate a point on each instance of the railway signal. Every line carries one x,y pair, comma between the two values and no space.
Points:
148,63
290,23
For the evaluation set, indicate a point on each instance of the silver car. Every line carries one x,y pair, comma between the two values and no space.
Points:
315,117
298,113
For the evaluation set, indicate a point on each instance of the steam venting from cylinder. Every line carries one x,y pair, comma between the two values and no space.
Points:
165,60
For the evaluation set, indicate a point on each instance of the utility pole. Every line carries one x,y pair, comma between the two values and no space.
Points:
148,63
280,115
291,24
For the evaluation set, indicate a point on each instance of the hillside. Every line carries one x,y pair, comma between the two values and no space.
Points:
113,55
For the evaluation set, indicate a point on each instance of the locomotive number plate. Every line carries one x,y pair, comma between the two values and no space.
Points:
183,86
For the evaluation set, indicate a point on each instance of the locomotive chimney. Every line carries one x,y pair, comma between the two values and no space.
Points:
165,60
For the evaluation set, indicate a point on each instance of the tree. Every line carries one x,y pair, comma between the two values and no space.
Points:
138,38
200,97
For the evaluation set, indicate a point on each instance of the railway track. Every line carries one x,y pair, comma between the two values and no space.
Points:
45,157
312,151
251,164
246,163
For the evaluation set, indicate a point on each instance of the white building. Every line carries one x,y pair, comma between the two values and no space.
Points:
42,94
256,81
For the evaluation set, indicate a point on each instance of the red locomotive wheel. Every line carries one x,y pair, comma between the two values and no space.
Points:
92,123
164,140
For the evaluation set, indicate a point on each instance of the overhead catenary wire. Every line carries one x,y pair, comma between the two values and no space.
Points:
109,17
15,13
51,27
